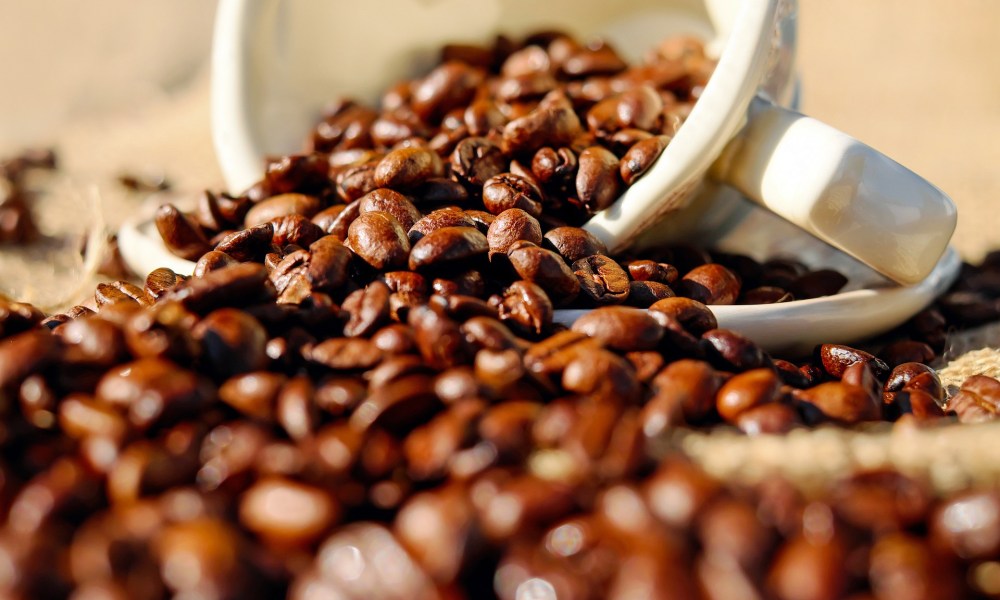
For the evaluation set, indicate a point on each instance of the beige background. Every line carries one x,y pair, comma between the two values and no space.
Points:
917,79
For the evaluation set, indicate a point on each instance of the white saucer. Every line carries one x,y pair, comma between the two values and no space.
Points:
868,306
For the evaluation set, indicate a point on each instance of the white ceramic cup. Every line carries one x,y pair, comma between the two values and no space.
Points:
276,63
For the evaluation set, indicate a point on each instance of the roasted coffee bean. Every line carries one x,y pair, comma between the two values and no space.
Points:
904,566
507,190
280,206
253,393
625,329
294,230
545,268
650,270
232,341
92,341
398,406
907,351
345,354
843,402
212,260
602,280
904,373
804,569
678,492
745,391
694,316
446,246
302,173
287,512
159,281
733,350
602,375
379,240
880,501
180,233
977,401
450,85
16,317
710,284
640,157
476,160
368,309
248,244
598,59
406,167
439,219
510,226
643,294
765,294
391,202
526,305
106,294
598,182
573,243
768,419
153,391
835,359
467,283
24,354
554,167
356,181
824,282
968,525
295,410
336,219
552,123
438,338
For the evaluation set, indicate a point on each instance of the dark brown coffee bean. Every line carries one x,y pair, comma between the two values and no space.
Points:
295,409
92,341
253,393
968,525
475,160
232,341
765,294
552,123
643,294
574,243
287,512
804,569
554,167
601,375
678,492
282,205
710,284
690,384
153,392
527,306
602,280
843,402
379,240
336,219
625,329
521,504
294,230
356,181
691,314
24,354
650,270
450,85
907,351
328,262
248,244
506,191
593,60
510,226
835,359
212,261
447,245
368,309
406,167
734,350
545,268
824,282
438,219
438,338
977,401
640,157
398,406
16,317
345,354
768,419
180,233
159,281
598,183
391,202
302,173
880,501
904,373
745,391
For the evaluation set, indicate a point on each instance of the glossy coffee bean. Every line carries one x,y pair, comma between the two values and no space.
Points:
379,240
406,167
287,512
977,401
835,359
745,391
573,243
476,160
710,284
598,182
602,280
510,226
640,157
626,329
546,269
181,234
507,190
282,205
447,246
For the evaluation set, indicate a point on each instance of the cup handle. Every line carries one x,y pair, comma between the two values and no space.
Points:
839,190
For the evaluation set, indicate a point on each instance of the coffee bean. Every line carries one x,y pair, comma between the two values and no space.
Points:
450,85
92,341
881,501
287,512
368,309
527,306
554,167
232,341
678,492
506,191
643,294
904,566
598,183
294,230
907,351
180,233
280,206
153,392
600,59
745,391
391,202
843,402
446,246
248,244
24,354
768,419
650,270
476,160
573,243
602,375
552,123
710,284
626,329
977,401
510,226
835,359
808,570
212,260
640,157
379,240
439,219
824,282
954,529
545,268
406,167
602,280
345,354
302,173
734,351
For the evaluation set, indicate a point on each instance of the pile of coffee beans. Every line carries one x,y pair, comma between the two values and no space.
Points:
361,391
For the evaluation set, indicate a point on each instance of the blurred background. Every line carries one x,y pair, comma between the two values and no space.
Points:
917,79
